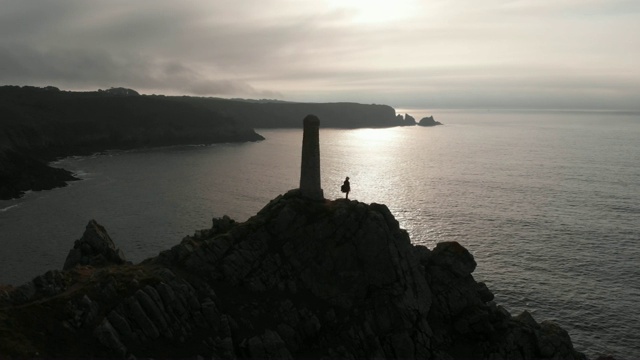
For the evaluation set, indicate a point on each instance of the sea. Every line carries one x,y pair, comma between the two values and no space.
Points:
548,203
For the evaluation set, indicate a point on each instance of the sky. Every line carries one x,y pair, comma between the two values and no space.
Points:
422,54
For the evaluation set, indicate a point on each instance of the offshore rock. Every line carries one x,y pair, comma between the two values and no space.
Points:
95,248
406,120
300,279
409,120
428,121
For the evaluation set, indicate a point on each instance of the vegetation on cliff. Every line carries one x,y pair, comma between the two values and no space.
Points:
38,125
300,279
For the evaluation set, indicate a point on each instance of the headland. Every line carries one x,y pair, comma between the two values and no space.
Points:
303,278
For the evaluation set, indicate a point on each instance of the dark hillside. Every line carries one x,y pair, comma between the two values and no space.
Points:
39,125
288,114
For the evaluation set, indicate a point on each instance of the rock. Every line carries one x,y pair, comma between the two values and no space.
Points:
266,346
134,310
119,323
409,120
50,284
553,341
107,336
154,312
428,121
406,120
94,248
300,279
483,291
453,257
526,319
222,225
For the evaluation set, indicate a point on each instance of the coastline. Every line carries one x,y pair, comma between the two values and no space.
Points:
42,125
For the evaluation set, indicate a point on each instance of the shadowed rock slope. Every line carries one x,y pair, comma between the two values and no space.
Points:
300,279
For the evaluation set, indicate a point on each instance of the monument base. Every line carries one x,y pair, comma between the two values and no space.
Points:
313,194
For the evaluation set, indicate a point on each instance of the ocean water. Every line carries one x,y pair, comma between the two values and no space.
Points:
547,202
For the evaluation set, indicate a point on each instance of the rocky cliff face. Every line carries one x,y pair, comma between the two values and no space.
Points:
300,279
94,248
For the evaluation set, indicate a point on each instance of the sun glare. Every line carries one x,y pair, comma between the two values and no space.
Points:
375,11
374,137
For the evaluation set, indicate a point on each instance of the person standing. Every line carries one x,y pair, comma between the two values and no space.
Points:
346,187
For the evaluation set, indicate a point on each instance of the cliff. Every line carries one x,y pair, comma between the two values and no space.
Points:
38,125
300,279
280,114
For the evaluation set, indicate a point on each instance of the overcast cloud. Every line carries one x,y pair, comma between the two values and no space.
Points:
565,54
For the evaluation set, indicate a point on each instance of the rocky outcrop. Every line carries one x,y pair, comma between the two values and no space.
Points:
20,173
409,120
467,322
406,120
428,121
94,248
300,279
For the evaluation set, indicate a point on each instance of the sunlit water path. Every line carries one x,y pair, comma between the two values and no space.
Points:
548,203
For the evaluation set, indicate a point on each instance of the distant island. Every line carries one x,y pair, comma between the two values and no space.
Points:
39,125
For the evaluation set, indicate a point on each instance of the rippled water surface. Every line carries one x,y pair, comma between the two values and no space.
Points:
548,203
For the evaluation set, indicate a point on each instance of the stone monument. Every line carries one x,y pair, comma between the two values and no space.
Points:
310,169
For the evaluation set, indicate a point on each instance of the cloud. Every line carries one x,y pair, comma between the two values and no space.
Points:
92,69
459,51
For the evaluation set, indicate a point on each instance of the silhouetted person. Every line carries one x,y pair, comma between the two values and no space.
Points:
346,187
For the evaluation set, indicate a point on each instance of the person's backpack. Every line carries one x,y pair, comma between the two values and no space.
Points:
343,188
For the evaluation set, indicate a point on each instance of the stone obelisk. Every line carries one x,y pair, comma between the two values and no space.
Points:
310,169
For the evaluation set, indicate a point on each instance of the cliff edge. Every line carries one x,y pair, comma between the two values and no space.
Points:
300,279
